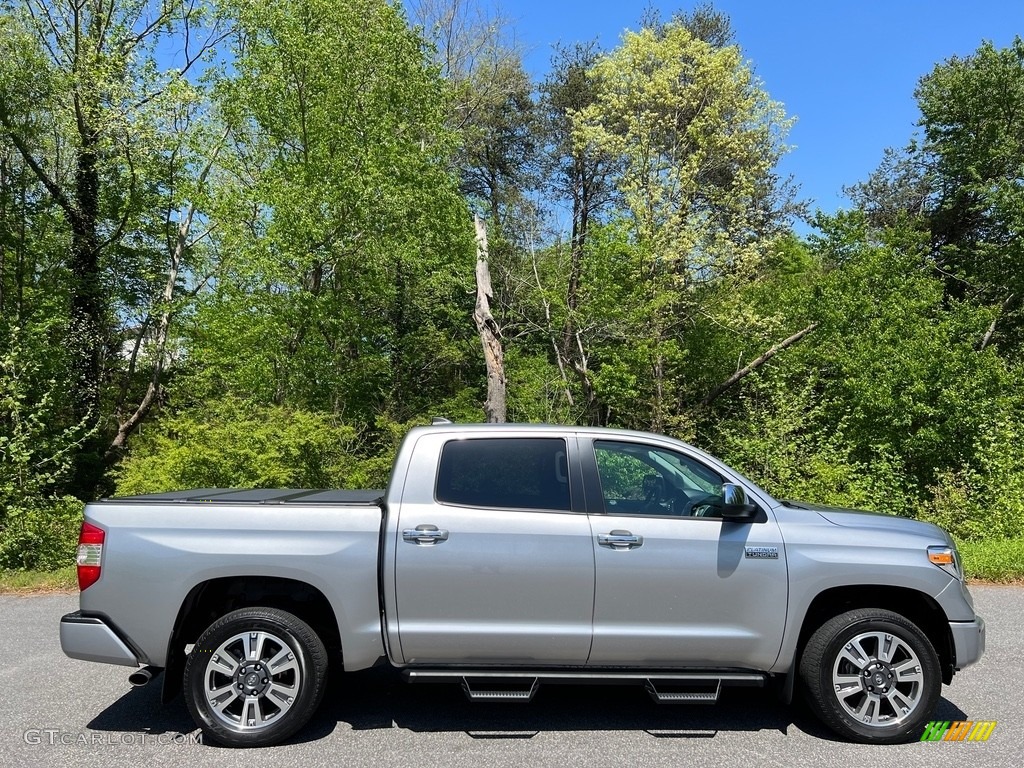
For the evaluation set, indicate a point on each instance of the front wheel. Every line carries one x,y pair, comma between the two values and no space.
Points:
872,676
254,677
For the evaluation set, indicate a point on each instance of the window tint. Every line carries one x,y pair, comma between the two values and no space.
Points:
521,473
639,479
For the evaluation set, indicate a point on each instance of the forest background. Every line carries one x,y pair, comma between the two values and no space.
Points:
237,248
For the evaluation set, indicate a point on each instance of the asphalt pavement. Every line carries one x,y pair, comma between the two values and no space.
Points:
57,711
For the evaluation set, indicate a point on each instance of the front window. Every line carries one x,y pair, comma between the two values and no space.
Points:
638,479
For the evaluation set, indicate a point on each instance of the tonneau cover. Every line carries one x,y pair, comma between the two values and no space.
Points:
257,496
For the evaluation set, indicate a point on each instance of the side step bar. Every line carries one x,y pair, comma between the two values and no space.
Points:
496,689
522,685
692,692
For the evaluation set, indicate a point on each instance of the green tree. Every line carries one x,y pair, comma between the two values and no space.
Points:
343,247
961,183
972,112
583,175
888,405
699,140
490,104
233,443
899,191
98,116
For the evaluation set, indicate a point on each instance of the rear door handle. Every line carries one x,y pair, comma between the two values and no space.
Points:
425,534
620,540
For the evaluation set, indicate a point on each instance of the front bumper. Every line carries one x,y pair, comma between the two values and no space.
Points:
968,641
92,639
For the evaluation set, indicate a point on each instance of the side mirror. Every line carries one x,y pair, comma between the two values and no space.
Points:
734,504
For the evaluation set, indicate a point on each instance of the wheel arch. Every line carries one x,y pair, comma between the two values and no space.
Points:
209,600
916,606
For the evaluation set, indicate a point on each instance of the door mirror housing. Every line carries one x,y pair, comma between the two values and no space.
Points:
734,504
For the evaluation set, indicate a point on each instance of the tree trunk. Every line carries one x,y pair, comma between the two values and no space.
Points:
572,341
154,389
490,338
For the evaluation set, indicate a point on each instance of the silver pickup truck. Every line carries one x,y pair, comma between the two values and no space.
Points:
504,557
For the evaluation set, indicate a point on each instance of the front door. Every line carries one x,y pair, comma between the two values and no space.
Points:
677,585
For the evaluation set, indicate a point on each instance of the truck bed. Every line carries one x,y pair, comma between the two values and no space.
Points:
164,549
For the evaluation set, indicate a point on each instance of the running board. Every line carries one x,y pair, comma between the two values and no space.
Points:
500,689
684,692
522,685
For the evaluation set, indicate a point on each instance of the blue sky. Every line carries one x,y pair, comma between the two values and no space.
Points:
846,70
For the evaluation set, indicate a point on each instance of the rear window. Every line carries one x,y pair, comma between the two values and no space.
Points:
516,473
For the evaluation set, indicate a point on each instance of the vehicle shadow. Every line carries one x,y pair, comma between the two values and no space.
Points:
139,711
381,699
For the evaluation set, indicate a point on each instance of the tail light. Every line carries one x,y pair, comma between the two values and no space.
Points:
90,555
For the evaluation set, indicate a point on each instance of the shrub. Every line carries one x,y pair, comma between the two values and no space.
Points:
40,536
231,443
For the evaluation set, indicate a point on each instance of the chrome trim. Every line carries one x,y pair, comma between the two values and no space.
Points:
424,534
620,540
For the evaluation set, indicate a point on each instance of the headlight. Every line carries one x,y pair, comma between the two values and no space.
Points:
947,559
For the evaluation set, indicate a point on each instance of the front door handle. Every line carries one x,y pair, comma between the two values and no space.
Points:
620,540
425,534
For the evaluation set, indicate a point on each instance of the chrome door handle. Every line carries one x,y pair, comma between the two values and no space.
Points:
620,540
425,534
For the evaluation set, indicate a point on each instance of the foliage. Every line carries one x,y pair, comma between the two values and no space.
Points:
698,138
38,525
999,560
961,183
985,498
41,535
779,442
343,247
888,405
238,444
244,257
972,111
101,124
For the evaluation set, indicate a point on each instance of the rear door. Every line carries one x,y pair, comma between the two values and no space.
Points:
676,585
493,556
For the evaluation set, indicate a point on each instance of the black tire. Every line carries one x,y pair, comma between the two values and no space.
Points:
871,676
255,677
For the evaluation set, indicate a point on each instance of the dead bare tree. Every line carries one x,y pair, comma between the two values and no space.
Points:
490,335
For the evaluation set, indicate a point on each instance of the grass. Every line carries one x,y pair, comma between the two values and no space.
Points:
993,560
34,582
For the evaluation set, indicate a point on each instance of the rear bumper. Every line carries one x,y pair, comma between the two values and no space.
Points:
92,639
968,641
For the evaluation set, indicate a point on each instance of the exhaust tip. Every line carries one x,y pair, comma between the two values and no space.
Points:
140,677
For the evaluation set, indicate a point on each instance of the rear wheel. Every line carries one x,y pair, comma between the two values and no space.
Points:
872,676
254,677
